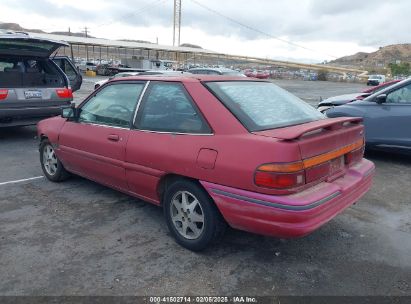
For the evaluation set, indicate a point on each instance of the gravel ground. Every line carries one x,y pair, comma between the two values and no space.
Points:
80,238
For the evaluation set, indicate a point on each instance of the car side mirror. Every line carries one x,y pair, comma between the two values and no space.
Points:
70,113
381,98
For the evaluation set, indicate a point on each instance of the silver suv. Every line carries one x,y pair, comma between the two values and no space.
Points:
32,85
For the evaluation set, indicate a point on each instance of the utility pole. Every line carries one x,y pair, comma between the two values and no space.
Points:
177,22
86,34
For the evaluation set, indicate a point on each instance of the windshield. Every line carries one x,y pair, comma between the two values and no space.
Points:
232,73
375,77
263,105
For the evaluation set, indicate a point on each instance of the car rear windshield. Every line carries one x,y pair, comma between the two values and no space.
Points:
263,105
10,44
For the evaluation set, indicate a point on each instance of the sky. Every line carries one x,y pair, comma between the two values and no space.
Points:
295,30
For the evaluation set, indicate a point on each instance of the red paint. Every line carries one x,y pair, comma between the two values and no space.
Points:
206,158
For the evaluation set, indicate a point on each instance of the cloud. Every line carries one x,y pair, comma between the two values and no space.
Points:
358,23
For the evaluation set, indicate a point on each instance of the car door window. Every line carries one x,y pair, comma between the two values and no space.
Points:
402,95
113,105
168,108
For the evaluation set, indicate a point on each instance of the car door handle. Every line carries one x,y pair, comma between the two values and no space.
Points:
113,137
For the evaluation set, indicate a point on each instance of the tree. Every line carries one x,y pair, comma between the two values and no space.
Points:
402,68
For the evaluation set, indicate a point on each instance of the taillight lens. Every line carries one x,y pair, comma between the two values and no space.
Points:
279,180
354,156
3,94
64,93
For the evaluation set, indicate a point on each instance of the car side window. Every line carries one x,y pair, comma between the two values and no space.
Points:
113,105
168,108
402,95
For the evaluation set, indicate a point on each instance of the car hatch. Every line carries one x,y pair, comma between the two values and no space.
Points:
25,45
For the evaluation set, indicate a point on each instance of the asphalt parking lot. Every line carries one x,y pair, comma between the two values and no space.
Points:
80,238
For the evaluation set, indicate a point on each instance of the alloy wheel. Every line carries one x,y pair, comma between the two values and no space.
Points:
187,215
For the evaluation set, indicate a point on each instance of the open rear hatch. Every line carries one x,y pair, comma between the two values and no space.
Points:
327,148
25,45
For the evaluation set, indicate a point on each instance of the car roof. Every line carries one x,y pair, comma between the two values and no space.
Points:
188,78
211,69
389,88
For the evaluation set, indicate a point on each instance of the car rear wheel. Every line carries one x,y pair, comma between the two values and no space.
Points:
52,167
192,218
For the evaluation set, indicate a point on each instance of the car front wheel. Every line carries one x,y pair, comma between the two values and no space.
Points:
192,218
52,167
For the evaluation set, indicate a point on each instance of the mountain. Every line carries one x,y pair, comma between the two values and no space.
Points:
395,53
17,28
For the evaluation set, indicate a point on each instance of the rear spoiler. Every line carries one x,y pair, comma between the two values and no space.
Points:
295,132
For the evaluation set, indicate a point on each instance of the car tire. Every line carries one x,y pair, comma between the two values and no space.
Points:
191,215
52,167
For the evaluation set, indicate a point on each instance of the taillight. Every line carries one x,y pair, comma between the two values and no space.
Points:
291,175
3,94
279,180
354,156
64,93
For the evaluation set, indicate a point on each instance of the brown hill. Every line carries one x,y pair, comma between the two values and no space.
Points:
17,28
394,53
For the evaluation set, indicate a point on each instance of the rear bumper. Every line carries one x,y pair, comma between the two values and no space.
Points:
292,215
373,82
28,115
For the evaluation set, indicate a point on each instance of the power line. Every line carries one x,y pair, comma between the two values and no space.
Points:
257,30
133,14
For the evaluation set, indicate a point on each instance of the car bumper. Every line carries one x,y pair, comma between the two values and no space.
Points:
373,82
28,115
322,109
293,215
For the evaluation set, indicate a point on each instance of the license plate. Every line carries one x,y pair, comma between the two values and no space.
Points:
336,165
32,94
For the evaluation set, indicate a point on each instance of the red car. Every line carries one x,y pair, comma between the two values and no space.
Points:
262,75
212,151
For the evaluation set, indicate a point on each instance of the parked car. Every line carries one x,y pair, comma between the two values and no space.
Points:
387,116
99,83
87,66
212,151
375,80
328,103
257,74
250,73
215,71
32,86
103,69
262,75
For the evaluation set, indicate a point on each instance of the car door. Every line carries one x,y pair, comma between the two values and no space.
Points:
388,123
73,74
168,134
94,145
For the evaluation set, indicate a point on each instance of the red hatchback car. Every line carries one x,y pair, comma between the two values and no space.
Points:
212,151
